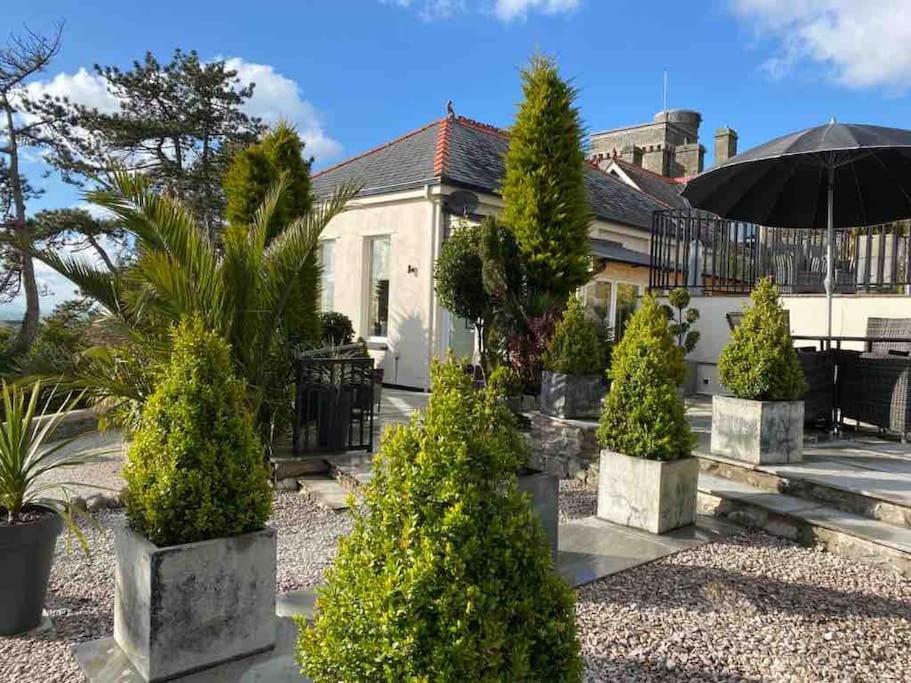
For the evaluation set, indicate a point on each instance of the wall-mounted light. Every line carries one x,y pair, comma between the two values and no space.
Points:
412,270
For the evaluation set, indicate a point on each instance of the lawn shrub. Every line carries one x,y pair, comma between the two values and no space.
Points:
579,345
759,362
643,415
446,575
195,469
336,328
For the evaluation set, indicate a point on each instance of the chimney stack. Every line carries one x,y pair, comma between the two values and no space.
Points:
725,144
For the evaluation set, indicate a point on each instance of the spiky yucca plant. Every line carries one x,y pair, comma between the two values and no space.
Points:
26,457
240,291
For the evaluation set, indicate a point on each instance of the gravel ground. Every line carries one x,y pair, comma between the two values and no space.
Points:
748,608
81,594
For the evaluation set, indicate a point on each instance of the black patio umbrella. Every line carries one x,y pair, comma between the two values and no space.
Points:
840,175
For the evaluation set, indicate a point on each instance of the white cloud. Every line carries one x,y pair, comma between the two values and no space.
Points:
278,97
859,44
430,10
82,87
508,10
274,97
505,10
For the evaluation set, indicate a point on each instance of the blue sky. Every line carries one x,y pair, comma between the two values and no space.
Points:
354,73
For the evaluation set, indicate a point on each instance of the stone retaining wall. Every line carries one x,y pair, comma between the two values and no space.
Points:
567,448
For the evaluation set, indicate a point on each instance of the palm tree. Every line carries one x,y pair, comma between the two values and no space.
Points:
240,289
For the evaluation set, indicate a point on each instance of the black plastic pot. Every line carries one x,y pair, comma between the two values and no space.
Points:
28,553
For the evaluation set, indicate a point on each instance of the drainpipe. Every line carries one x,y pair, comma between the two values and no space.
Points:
436,223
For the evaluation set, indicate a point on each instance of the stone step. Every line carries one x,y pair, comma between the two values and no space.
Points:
325,491
808,522
880,491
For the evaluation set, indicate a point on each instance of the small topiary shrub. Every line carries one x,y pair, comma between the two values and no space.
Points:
759,362
682,318
195,470
336,328
643,415
579,345
447,575
505,382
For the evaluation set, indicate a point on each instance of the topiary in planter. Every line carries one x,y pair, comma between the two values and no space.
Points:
643,415
195,470
579,345
760,363
446,575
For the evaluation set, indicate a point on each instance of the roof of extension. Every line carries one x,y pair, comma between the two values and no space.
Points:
665,190
469,154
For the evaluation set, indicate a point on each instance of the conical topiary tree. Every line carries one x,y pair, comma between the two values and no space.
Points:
580,345
446,575
643,415
195,469
759,362
546,205
254,171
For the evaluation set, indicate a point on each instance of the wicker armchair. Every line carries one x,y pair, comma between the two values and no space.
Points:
875,388
889,327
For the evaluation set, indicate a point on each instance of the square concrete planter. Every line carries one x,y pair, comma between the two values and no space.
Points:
571,396
652,495
189,607
544,489
757,432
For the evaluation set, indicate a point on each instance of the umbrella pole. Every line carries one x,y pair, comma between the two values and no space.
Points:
830,249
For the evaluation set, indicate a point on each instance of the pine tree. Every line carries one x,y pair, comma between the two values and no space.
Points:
544,186
253,172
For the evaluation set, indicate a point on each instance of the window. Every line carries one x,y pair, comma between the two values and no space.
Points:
597,297
624,307
326,258
611,301
378,282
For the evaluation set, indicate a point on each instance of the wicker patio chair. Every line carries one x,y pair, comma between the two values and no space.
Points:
875,388
889,327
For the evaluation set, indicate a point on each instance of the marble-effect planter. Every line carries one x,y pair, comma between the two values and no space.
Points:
757,432
544,489
183,608
571,396
653,495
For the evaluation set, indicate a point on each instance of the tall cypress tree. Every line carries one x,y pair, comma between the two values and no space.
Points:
544,186
253,171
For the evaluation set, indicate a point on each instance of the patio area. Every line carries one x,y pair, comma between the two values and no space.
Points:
715,602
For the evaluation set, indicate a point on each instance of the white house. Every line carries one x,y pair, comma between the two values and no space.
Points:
378,255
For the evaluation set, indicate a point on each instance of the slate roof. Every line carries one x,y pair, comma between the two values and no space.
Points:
614,251
469,154
665,190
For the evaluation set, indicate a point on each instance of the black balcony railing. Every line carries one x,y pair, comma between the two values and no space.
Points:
334,405
698,250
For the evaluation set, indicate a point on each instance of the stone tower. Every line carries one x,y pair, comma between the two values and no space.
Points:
668,146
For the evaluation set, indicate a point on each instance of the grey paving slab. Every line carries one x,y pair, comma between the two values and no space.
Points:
883,482
592,548
735,490
301,603
324,491
895,537
102,661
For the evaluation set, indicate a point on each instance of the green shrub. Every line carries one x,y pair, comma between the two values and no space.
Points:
195,470
336,328
759,362
682,318
505,382
643,415
447,575
578,346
